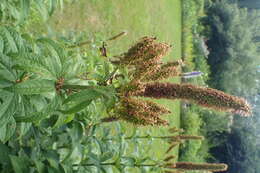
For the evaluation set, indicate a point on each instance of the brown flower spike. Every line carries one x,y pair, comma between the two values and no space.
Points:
206,97
146,51
214,167
141,112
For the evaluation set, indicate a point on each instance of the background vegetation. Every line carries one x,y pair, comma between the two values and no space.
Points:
218,38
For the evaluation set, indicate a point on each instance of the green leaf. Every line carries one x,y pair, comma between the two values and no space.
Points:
5,151
40,166
42,9
87,94
7,131
129,161
53,158
59,55
5,68
7,107
10,39
30,87
77,107
1,45
106,156
23,128
53,5
25,8
63,119
76,133
36,117
34,63
20,164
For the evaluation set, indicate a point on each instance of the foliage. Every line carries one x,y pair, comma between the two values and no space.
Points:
234,57
17,12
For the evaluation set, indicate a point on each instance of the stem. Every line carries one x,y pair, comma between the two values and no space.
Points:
80,44
89,41
117,36
91,164
109,119
114,163
77,87
145,137
109,77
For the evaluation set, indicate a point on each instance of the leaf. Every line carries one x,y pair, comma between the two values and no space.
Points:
36,117
20,165
106,156
87,94
7,131
1,45
63,119
34,63
77,107
25,8
42,9
5,68
35,86
58,53
10,39
53,5
5,151
76,133
128,161
40,166
53,158
7,108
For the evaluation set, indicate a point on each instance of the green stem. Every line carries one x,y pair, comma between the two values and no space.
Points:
80,44
146,137
109,77
77,87
114,163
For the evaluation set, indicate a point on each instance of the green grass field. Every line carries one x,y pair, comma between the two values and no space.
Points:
160,18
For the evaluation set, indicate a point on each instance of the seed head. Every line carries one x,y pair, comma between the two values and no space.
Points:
145,51
138,112
206,97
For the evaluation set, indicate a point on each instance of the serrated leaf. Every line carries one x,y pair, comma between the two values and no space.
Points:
5,68
40,166
128,161
87,94
56,50
31,87
52,6
53,158
42,9
1,45
5,151
63,119
25,7
76,133
44,113
7,107
106,156
35,64
7,131
10,39
20,165
77,108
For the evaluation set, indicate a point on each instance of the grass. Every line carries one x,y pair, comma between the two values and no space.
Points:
139,18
